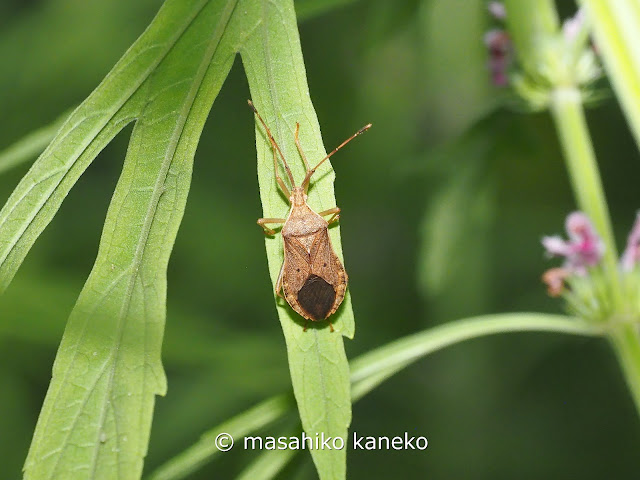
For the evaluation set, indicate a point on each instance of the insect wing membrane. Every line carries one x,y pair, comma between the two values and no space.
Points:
295,271
324,262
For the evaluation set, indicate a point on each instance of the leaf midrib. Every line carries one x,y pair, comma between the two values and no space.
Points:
158,191
328,416
16,238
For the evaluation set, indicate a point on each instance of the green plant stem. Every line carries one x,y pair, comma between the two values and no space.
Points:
568,114
373,368
567,111
367,372
625,340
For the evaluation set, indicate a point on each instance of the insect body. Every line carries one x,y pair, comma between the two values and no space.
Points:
312,279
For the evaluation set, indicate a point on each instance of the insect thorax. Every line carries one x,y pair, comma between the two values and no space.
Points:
302,221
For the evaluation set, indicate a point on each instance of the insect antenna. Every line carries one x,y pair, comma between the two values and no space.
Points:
307,178
273,144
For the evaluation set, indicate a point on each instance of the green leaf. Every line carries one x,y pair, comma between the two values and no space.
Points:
616,27
370,370
269,463
31,145
118,100
96,418
319,369
239,426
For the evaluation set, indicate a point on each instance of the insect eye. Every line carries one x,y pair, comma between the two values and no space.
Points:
324,264
297,269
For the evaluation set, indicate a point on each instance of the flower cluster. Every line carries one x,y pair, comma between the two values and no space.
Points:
578,279
583,249
559,60
499,47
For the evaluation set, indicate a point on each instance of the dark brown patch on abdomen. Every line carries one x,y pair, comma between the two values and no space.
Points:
316,297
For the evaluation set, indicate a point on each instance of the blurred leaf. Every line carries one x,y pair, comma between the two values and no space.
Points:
188,344
371,369
528,22
31,145
96,418
319,368
311,8
269,463
239,426
14,398
456,87
383,19
455,230
616,26
457,224
368,371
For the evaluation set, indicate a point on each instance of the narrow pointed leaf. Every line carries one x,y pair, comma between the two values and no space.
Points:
96,418
368,371
273,62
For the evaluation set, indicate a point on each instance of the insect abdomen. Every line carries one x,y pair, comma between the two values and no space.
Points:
317,297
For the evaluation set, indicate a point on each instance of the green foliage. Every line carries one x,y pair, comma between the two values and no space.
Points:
368,372
269,464
108,367
319,369
243,424
461,213
97,415
605,286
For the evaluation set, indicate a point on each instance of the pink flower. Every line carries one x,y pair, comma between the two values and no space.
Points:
573,25
497,10
584,247
631,254
498,44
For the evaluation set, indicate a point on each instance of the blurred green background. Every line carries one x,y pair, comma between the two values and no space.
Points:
444,203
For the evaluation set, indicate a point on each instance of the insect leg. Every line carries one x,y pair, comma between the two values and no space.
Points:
275,148
304,158
279,180
336,214
279,283
267,230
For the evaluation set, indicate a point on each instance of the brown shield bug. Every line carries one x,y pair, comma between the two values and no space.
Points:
312,279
